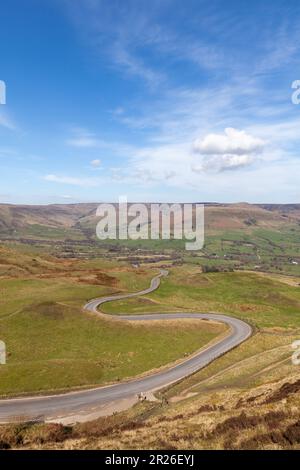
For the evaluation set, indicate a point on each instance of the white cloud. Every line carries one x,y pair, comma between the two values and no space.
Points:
281,47
131,36
133,65
118,111
96,163
223,162
178,165
84,138
229,151
83,142
233,141
85,182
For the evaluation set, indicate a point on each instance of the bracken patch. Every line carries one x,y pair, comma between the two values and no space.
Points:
243,421
284,391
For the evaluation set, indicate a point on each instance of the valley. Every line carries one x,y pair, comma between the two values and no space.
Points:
50,270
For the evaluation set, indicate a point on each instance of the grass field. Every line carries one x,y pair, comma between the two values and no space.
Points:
263,301
248,398
264,238
52,344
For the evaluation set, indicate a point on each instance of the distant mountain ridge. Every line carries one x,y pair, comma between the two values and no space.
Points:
83,215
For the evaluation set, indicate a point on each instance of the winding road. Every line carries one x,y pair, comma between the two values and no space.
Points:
73,403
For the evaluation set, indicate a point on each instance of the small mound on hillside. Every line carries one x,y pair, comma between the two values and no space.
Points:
47,309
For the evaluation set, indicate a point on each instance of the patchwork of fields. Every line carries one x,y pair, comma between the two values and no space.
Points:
248,398
53,345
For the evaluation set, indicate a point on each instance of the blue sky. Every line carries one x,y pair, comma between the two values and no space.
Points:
166,100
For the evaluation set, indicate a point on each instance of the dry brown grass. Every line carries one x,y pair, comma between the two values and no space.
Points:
231,414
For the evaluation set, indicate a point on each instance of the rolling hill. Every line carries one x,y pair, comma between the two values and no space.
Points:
218,216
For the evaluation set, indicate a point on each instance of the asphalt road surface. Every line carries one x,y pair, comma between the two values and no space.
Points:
72,403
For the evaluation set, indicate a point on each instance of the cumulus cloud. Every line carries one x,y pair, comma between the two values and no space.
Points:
233,141
223,162
232,150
